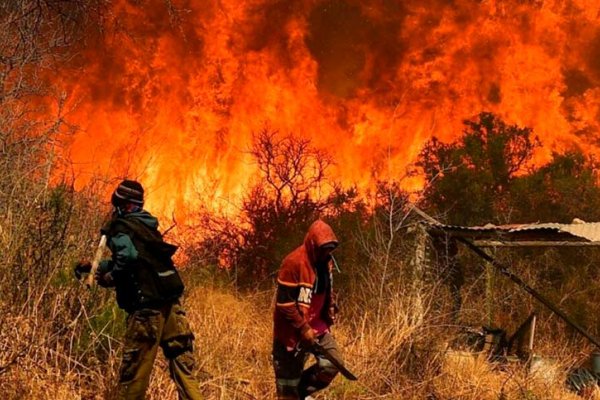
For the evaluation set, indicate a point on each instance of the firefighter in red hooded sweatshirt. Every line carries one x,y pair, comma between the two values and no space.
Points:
304,312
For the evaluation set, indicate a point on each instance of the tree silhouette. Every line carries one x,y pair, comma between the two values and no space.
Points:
470,178
290,193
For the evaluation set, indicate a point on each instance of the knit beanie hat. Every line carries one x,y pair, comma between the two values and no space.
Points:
128,192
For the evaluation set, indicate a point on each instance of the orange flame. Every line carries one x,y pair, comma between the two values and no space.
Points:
176,93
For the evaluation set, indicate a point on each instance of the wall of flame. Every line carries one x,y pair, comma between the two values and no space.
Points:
171,91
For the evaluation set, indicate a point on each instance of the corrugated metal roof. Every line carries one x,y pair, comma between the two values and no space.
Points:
589,231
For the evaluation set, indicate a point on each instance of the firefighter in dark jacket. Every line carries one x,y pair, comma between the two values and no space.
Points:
304,312
148,288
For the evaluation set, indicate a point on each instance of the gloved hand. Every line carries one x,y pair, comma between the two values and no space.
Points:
104,279
307,336
82,267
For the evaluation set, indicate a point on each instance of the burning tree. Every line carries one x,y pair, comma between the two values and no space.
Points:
291,192
293,172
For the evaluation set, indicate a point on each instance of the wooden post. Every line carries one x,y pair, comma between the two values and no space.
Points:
419,262
489,293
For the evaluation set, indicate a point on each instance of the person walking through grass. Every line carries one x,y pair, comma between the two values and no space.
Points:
148,288
304,312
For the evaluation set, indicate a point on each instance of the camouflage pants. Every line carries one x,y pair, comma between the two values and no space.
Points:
148,329
294,383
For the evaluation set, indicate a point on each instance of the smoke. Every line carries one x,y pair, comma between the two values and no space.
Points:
592,52
354,50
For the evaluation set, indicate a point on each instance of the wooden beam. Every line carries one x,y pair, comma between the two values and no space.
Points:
538,296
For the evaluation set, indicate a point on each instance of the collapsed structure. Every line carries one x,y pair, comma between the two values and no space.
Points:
445,239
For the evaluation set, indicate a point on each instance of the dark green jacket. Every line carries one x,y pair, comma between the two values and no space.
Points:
141,265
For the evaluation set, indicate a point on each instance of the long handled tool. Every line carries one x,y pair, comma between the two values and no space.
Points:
336,363
89,281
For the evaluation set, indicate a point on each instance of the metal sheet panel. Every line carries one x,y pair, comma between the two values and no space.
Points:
589,231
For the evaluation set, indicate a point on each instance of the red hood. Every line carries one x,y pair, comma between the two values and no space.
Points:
318,234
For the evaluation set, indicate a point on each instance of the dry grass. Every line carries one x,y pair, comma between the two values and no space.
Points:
469,377
233,340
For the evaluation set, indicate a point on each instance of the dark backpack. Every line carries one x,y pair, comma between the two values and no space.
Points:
152,281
